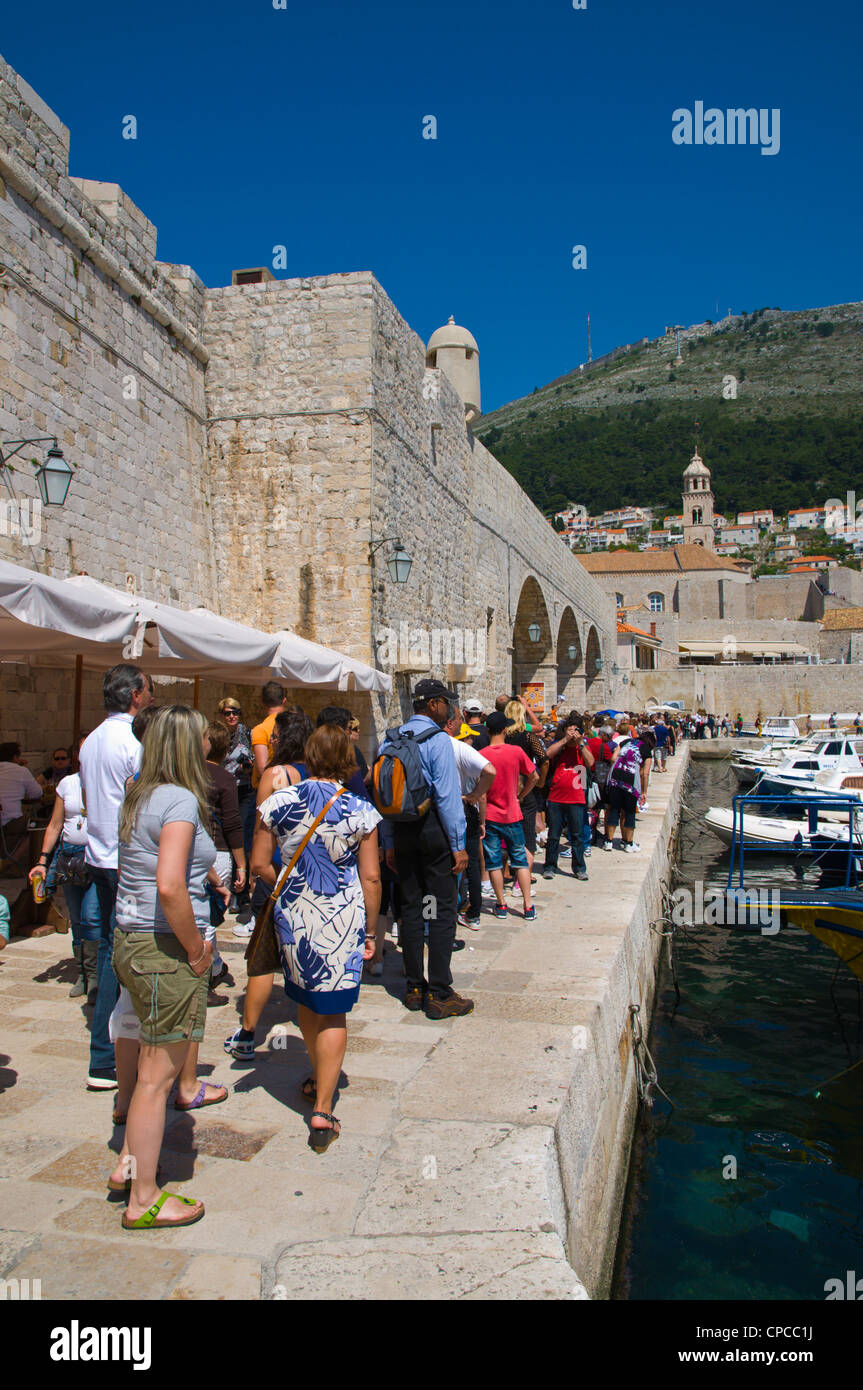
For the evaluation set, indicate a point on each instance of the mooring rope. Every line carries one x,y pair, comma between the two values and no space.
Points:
646,1075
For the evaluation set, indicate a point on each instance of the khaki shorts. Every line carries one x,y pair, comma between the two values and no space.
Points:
169,999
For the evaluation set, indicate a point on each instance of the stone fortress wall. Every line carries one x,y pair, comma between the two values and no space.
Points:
86,315
240,447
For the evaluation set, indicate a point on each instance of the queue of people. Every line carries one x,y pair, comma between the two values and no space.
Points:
152,840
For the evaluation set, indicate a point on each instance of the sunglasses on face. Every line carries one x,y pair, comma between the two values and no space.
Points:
231,713
354,728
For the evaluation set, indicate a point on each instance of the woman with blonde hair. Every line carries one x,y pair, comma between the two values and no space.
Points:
160,956
534,748
328,890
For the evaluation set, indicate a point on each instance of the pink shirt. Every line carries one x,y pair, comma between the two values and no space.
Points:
509,760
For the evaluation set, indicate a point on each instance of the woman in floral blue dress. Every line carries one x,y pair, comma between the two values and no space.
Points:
321,913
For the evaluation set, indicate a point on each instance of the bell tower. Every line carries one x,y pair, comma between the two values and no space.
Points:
698,504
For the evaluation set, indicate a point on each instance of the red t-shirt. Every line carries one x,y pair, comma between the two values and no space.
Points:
601,749
568,779
509,760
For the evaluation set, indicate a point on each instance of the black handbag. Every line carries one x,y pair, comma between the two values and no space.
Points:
72,869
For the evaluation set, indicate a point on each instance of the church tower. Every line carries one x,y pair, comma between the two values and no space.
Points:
697,504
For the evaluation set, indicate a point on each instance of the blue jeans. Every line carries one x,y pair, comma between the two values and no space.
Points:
560,813
82,902
246,797
101,1047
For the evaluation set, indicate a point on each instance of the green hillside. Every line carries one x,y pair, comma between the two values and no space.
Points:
621,432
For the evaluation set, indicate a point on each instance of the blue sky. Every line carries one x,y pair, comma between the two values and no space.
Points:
303,127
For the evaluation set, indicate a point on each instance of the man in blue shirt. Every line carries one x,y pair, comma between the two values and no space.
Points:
663,734
428,855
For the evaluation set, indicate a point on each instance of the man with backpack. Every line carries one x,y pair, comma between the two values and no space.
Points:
416,788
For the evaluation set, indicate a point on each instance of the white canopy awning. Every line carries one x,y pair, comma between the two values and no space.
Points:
742,647
53,621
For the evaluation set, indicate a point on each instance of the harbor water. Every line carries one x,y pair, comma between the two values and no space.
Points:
751,1186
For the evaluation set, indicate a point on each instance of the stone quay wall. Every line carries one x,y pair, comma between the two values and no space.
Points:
790,688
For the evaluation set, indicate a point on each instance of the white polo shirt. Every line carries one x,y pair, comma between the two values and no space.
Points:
108,757
17,784
469,764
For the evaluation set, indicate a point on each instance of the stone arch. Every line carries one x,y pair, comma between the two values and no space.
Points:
570,669
533,661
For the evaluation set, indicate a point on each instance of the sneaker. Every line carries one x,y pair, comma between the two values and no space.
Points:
608,846
458,945
453,1007
587,851
472,923
414,999
643,806
241,1048
630,849
530,914
548,871
582,875
102,1079
498,911
243,930
487,890
565,853
636,847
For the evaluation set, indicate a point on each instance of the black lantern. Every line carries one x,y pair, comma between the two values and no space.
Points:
53,478
399,565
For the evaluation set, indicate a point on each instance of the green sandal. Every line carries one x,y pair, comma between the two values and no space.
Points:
150,1220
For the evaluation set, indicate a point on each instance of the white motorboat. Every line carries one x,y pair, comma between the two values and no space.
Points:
813,753
838,782
801,766
779,833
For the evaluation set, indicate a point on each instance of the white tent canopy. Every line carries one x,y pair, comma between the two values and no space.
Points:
55,621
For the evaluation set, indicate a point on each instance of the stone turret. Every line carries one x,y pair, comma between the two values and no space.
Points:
454,351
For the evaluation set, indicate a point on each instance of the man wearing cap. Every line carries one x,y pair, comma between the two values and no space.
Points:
478,732
428,855
475,775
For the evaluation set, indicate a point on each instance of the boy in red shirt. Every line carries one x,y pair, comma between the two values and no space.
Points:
503,825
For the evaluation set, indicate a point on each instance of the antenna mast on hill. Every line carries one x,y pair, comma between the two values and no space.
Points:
589,353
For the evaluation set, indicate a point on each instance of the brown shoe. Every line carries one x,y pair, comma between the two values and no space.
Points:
453,1007
414,999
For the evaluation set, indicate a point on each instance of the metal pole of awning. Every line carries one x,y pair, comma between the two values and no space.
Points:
76,706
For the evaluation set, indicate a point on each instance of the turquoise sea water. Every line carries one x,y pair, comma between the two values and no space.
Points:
747,1056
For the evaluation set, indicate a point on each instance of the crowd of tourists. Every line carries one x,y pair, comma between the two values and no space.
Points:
164,822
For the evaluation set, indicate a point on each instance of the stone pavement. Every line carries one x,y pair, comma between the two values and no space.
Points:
445,1182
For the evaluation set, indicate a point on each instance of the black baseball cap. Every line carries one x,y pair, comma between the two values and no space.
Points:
431,689
497,721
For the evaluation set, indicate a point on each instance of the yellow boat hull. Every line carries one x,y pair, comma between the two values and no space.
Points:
840,928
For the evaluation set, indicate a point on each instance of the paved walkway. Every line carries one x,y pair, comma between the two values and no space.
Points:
443,1182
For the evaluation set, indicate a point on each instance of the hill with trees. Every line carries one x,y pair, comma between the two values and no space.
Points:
776,397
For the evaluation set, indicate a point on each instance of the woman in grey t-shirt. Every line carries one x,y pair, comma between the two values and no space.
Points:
160,956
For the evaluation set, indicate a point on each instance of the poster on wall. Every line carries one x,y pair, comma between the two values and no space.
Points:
534,693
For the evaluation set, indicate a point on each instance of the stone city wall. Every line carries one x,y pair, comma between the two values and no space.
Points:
98,346
474,534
